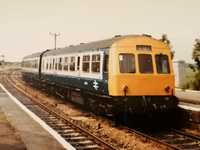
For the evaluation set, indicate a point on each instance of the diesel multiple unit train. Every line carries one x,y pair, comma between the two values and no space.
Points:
130,73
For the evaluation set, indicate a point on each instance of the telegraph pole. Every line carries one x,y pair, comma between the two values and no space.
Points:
55,38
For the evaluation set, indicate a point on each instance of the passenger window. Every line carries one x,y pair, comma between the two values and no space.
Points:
60,64
47,66
35,65
50,64
86,63
72,64
145,63
53,63
96,63
56,64
162,64
127,63
66,64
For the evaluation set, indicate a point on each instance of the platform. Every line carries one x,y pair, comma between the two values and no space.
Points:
9,137
188,96
189,102
32,136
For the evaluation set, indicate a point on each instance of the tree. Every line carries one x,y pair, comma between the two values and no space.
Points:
164,38
196,58
192,67
196,53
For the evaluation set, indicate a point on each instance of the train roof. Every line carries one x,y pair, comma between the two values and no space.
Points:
96,45
33,55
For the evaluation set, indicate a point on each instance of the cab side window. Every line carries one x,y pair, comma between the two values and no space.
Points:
127,63
162,64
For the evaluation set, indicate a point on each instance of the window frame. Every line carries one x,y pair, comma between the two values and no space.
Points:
60,66
97,60
66,63
168,65
139,63
53,65
47,65
86,61
133,63
72,63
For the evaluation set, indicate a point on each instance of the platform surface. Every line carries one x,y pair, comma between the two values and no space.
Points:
9,137
31,133
190,106
188,96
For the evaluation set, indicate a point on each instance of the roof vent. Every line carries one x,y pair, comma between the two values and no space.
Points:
82,43
147,35
116,36
71,45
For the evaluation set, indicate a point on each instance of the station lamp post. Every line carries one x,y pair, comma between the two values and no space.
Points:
55,35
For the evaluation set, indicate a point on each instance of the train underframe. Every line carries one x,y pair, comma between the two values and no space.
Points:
115,107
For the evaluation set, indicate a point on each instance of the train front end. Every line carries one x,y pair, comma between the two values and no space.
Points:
141,74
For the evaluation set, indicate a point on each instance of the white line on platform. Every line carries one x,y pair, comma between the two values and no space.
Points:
187,91
62,141
189,107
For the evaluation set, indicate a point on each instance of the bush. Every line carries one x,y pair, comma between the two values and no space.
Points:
193,84
196,82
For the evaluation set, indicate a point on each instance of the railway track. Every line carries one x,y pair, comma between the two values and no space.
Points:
78,137
179,140
81,139
172,138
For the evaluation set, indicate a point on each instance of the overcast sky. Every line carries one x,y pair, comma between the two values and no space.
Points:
25,24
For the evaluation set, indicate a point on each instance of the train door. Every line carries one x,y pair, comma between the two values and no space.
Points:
105,66
78,65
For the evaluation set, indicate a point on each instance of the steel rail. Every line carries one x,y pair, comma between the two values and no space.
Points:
149,137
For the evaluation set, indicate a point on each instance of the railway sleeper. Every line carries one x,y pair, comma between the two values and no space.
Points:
50,116
78,138
69,135
52,124
61,131
89,147
60,128
190,146
68,131
81,142
179,141
46,117
53,120
168,136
